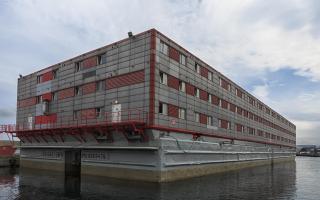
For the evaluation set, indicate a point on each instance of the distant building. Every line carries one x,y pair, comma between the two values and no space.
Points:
144,108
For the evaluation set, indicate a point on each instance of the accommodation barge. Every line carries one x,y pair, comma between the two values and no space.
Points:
144,108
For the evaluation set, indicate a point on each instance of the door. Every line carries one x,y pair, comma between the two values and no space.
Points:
73,163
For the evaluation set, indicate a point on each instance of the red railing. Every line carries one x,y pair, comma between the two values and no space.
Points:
75,121
7,128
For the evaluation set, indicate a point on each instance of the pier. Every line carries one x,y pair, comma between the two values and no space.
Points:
308,150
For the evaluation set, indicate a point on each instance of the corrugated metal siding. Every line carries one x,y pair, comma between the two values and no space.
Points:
204,72
89,62
215,100
203,95
224,84
28,102
190,89
173,82
203,118
245,113
66,93
46,119
239,127
88,113
89,88
224,104
232,107
47,76
174,54
239,93
224,123
125,80
239,110
173,111
250,115
47,96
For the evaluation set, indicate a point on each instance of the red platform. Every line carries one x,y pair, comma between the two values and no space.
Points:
129,122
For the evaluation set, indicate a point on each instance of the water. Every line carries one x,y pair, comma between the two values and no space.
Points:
292,180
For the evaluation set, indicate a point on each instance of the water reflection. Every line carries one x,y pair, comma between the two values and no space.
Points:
265,182
72,186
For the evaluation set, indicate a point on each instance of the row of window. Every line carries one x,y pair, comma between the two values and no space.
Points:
97,113
224,124
183,60
98,60
77,92
224,104
54,74
226,85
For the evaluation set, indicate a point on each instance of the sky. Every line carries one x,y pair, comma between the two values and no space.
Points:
270,48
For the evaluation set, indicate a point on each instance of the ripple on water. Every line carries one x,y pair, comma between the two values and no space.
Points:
291,180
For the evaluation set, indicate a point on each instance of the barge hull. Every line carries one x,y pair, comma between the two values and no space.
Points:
163,160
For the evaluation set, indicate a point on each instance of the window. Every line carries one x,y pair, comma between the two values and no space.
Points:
102,59
183,59
239,128
39,99
239,93
99,59
210,76
77,66
209,98
163,48
224,124
268,111
99,85
182,113
197,68
55,73
251,131
182,86
197,92
77,90
209,120
163,78
39,79
260,133
196,117
75,114
163,108
251,101
224,84
54,96
267,135
98,112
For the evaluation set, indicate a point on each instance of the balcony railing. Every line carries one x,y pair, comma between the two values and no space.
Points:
64,120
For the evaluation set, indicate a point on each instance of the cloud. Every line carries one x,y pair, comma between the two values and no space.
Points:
310,131
244,39
256,35
261,91
4,113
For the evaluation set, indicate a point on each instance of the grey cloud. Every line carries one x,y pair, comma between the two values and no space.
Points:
7,113
285,13
305,116
239,38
